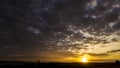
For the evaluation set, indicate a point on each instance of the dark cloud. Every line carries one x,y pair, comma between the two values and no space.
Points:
104,54
101,54
45,25
114,51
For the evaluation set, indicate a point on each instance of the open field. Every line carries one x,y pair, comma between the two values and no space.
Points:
58,65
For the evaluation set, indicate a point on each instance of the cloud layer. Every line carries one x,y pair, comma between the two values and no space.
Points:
32,27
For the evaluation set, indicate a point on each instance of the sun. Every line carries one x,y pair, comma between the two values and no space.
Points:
84,60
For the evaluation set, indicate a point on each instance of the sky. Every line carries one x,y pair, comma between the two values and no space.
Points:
59,30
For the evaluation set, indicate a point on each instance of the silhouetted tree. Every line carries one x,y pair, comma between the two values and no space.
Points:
38,61
117,62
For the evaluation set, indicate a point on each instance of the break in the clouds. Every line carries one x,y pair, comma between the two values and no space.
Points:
33,27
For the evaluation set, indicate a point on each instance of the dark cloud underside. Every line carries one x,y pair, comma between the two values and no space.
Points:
32,27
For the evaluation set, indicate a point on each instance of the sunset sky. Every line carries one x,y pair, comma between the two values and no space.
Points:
60,30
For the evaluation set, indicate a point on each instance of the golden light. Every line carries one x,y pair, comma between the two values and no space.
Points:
84,60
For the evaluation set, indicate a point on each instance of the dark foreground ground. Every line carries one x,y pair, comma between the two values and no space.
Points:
4,64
